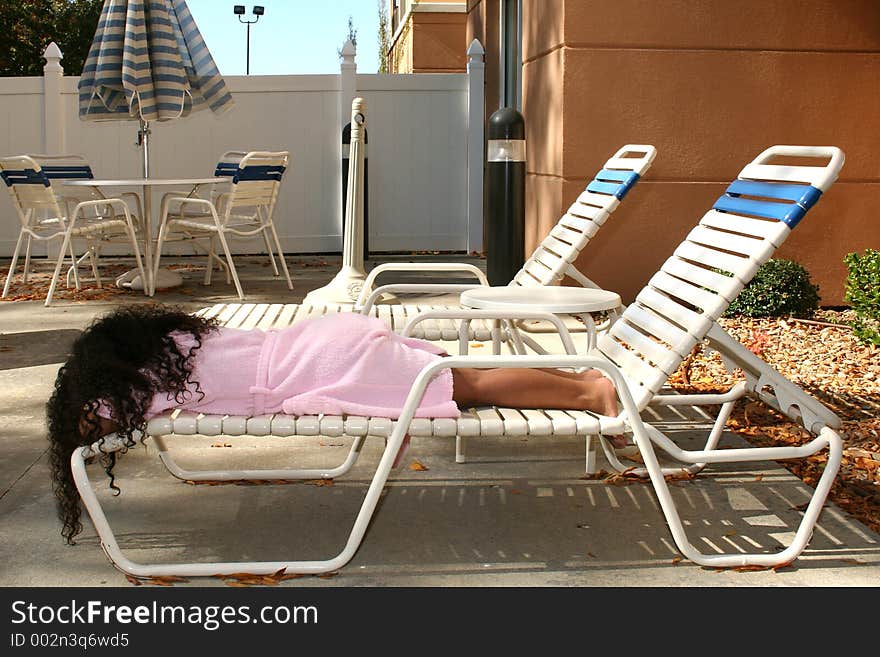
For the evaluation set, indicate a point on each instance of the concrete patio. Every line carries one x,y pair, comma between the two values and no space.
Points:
519,513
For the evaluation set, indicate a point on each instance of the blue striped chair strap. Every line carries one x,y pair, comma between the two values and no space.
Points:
793,200
614,183
225,169
258,172
72,172
24,177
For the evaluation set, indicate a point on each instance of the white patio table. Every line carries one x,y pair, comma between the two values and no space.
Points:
579,302
146,186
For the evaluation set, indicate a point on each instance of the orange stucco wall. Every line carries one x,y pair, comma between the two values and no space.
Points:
710,84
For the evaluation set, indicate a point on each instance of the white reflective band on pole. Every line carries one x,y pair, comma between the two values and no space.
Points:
506,150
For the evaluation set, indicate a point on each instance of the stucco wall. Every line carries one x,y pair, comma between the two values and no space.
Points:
710,84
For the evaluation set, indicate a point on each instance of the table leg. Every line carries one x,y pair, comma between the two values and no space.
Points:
149,284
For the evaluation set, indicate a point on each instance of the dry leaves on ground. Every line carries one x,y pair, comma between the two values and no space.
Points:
824,358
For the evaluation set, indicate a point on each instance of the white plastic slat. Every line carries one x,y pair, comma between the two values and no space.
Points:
259,425
539,423
397,317
160,425
308,425
381,426
420,426
491,423
356,425
695,324
468,423
515,423
283,425
586,423
254,317
742,268
784,173
572,237
540,271
550,260
657,353
563,423
234,425
659,327
332,425
630,364
186,423
727,286
710,303
747,246
285,317
448,328
579,225
771,229
227,312
240,315
431,327
444,427
568,252
607,202
267,321
587,212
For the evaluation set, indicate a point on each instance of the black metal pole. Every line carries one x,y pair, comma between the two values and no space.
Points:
506,192
248,59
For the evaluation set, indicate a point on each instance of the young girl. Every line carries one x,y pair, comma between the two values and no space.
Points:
141,360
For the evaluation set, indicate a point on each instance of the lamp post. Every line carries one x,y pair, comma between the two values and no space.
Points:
257,11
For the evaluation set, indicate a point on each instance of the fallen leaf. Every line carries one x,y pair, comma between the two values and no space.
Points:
418,466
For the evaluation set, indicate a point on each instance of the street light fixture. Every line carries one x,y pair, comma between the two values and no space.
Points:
257,11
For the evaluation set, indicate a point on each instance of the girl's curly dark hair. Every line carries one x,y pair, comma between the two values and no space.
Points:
121,360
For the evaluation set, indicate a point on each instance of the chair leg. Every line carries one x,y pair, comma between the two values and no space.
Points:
281,257
232,270
163,233
269,251
61,255
129,228
27,260
12,264
209,267
93,256
75,263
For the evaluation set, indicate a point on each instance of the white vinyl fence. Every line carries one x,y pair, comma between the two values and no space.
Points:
425,151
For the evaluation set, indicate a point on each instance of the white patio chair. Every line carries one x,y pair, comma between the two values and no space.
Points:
551,261
676,310
45,215
244,210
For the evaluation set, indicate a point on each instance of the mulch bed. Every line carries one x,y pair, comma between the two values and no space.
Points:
824,358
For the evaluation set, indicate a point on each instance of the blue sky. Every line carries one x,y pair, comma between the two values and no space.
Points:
293,37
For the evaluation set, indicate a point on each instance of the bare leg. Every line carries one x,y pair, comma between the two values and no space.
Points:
536,388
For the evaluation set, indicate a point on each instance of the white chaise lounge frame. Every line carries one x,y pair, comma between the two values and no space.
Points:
676,312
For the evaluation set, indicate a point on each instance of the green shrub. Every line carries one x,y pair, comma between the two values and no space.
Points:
863,293
779,288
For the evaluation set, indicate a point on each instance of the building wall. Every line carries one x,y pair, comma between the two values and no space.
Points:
428,37
710,84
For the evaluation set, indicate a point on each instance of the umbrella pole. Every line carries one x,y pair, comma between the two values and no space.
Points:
144,143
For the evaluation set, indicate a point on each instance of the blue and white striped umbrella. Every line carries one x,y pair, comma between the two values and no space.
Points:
148,61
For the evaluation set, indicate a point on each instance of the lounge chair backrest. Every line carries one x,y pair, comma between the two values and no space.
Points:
30,187
675,310
548,264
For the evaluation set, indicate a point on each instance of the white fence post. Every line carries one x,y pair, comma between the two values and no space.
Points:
53,109
347,93
475,159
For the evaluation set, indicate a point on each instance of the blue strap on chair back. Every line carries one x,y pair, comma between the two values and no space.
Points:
225,169
24,177
613,183
68,172
258,172
790,206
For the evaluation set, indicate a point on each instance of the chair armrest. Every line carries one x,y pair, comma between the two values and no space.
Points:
420,267
424,288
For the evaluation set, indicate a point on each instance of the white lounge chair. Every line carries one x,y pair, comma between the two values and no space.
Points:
675,311
46,214
552,260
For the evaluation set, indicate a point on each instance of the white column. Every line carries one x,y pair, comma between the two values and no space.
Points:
475,155
53,109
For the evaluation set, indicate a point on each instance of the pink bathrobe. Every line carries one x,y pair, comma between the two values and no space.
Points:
339,364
